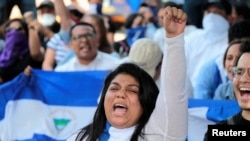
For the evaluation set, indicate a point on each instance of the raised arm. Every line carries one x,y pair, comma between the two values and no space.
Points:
36,50
170,119
173,87
63,13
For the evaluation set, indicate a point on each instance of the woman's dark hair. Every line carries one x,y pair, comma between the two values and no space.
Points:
148,92
104,43
21,21
229,46
131,18
244,48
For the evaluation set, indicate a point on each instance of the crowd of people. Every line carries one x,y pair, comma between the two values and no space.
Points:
166,57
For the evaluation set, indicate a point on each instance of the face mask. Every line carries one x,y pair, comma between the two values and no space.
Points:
16,45
215,23
48,19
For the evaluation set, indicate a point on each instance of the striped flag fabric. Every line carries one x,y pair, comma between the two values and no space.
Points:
202,113
51,106
48,106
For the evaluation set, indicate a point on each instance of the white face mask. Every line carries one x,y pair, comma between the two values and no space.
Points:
47,19
215,23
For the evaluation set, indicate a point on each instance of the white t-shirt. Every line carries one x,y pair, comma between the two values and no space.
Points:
103,61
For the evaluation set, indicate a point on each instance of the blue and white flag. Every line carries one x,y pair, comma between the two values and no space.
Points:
51,106
48,106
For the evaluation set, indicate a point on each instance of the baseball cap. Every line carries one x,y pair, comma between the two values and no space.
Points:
46,3
222,4
146,53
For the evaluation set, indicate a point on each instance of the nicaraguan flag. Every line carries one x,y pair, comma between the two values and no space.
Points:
48,106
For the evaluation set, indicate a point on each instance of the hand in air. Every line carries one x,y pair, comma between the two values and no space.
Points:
174,21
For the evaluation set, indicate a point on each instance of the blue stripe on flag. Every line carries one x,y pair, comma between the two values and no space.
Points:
77,90
54,88
217,109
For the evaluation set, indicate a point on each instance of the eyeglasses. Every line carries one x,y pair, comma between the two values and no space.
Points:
8,29
81,36
238,72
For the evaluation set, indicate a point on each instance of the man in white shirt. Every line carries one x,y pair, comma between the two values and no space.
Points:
84,43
